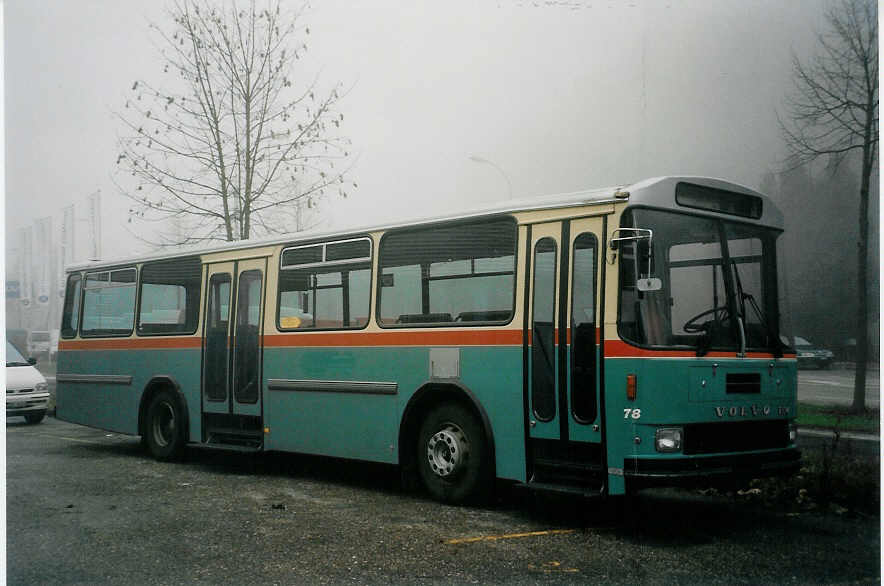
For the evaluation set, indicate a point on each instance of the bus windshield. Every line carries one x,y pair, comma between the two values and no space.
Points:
719,284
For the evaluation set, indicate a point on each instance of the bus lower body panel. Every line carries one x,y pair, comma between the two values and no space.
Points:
705,470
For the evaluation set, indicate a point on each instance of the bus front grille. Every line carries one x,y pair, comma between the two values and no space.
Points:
712,438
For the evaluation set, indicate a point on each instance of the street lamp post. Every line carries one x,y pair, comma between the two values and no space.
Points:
484,161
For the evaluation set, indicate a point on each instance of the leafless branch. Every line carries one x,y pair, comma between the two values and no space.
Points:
231,139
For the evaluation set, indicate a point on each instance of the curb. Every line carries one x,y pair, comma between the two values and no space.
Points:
830,433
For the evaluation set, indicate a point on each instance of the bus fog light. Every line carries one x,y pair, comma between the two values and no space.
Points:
668,439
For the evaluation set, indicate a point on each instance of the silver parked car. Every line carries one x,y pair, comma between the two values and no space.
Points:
27,393
810,355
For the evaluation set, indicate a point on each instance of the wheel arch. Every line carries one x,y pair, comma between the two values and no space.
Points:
156,384
428,396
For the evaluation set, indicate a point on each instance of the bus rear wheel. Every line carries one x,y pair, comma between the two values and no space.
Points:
452,455
164,430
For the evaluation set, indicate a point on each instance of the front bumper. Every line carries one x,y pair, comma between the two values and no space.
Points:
26,403
643,472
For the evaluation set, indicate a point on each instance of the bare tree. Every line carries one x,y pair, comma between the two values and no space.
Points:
232,144
833,113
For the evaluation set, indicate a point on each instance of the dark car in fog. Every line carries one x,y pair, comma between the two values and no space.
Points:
810,355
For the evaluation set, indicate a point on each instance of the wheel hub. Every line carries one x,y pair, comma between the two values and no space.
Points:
447,450
164,425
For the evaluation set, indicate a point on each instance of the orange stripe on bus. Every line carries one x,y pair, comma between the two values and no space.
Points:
395,338
131,343
506,337
613,348
618,349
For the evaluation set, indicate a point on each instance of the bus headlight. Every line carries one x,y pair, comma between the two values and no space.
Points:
793,433
668,439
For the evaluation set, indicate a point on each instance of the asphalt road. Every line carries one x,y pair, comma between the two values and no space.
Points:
88,507
835,387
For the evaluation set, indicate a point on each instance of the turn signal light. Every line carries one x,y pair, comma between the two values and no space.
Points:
630,387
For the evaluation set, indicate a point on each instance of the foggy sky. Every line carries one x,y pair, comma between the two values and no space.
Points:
560,96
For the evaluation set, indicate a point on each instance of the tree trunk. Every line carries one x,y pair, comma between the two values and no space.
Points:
862,310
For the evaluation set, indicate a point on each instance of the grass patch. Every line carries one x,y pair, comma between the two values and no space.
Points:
833,478
837,417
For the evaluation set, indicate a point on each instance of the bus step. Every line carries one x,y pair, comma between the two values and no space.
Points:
228,448
566,472
235,437
564,489
582,468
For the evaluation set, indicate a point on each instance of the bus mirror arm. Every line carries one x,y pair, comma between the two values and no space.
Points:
648,283
638,234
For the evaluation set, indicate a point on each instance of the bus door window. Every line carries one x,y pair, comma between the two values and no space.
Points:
583,329
543,331
247,347
217,327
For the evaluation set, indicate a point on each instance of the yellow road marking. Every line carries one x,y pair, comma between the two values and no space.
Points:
508,536
553,567
70,439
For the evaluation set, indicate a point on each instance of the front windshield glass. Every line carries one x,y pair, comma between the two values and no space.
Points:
14,357
712,272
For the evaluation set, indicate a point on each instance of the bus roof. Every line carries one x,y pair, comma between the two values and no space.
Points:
661,192
655,192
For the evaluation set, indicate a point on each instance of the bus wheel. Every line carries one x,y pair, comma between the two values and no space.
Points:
451,455
164,430
33,418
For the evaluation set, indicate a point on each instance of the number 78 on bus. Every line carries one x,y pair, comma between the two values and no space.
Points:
593,343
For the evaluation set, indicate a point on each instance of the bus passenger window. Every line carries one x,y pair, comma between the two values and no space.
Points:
170,297
109,303
461,273
70,320
325,286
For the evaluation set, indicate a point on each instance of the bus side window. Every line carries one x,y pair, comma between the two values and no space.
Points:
462,274
325,286
70,320
169,297
109,303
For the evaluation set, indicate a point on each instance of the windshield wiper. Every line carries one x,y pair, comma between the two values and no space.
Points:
17,364
743,297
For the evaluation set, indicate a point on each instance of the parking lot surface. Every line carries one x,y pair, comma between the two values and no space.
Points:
88,507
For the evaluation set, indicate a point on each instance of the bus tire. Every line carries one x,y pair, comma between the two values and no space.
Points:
452,455
34,418
164,429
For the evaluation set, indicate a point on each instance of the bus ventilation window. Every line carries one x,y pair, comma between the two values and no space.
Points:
423,318
744,382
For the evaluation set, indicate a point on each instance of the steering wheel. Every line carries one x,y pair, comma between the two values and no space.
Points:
692,327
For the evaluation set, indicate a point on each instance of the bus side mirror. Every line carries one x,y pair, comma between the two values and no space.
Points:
649,284
644,247
644,252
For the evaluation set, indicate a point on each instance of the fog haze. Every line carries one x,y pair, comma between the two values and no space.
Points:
558,96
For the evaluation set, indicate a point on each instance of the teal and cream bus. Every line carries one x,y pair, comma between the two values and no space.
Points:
593,342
